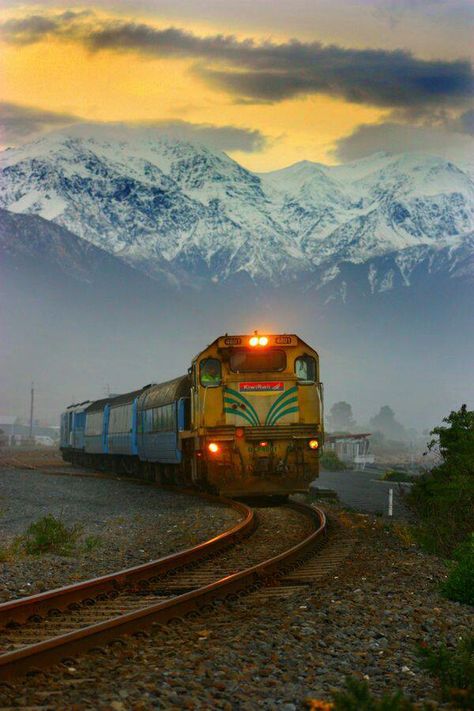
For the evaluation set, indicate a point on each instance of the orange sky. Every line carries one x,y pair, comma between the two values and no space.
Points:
62,76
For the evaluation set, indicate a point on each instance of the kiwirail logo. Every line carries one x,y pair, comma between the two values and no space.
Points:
261,387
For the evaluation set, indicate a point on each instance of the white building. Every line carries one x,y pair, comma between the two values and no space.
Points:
351,449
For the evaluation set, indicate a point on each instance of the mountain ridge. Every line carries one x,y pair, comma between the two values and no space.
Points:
183,212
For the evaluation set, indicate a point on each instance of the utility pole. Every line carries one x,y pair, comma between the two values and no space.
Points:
32,403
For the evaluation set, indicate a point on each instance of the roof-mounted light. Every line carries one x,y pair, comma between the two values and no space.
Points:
258,341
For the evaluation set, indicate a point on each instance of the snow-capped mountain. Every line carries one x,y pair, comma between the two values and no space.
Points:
171,207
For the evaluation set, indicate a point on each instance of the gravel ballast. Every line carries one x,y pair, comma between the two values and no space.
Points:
365,620
130,522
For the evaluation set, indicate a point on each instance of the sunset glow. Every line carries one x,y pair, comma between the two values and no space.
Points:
303,92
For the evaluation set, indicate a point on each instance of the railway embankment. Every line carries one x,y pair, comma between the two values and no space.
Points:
364,620
116,524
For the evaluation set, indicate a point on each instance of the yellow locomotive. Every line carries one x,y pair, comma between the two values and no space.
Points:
247,419
256,415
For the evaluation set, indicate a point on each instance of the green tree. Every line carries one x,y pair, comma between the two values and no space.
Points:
443,498
455,442
386,423
341,419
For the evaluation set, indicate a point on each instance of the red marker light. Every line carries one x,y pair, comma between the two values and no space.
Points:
213,447
239,432
313,444
262,444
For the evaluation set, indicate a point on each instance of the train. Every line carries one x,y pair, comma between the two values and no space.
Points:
245,420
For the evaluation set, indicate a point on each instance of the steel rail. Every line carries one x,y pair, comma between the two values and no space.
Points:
190,604
22,609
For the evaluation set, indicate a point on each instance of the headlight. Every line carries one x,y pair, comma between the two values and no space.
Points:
313,444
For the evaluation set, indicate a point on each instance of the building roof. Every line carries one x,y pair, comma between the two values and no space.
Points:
346,435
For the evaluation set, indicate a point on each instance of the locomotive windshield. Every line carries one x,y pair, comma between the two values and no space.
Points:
243,361
211,375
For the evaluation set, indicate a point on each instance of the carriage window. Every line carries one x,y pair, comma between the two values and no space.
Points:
211,375
305,369
257,361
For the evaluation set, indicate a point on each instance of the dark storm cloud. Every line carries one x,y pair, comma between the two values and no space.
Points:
271,71
402,138
18,123
465,123
21,123
224,138
34,28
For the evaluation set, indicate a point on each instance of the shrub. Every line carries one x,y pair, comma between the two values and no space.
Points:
443,499
357,697
391,475
460,583
444,508
50,535
455,670
331,462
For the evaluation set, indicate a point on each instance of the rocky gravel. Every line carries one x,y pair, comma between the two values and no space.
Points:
128,523
364,620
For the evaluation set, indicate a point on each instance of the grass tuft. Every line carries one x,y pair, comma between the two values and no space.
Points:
50,535
91,543
357,697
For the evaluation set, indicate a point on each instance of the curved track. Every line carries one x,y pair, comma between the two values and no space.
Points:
42,629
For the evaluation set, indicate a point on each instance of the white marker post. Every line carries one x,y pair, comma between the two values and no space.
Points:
390,502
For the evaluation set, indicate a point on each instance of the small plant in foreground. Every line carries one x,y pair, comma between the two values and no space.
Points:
50,535
404,533
460,583
357,697
455,670
91,543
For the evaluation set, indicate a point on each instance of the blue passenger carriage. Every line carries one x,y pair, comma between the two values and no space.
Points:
72,430
163,412
246,419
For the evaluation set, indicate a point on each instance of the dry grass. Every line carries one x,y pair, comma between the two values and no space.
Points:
18,458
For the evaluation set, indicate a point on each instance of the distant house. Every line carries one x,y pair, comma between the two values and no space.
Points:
16,433
352,449
7,425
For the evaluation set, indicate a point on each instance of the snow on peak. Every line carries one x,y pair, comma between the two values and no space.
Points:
162,202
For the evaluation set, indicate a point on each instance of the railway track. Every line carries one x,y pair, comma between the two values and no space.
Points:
43,629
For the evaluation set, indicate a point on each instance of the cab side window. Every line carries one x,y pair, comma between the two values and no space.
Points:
210,373
305,369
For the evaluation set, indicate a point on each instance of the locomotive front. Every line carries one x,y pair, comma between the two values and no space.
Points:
256,415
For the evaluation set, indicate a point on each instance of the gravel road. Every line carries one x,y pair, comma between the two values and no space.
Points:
132,522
